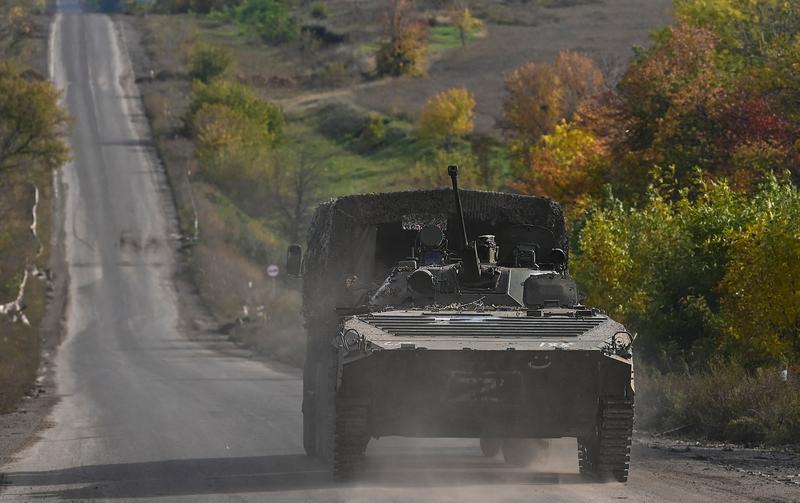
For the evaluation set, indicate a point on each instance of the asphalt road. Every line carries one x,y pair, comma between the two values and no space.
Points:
148,415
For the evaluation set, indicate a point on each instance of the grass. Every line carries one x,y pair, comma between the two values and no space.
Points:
445,37
334,131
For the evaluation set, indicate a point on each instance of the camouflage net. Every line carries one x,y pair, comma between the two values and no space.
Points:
341,240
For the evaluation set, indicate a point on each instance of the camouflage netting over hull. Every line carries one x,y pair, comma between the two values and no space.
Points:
342,236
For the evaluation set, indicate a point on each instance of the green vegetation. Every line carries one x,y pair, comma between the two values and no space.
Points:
272,20
31,123
699,271
264,121
444,37
209,62
447,116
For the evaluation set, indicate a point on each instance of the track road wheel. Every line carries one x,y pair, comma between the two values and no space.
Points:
350,437
490,447
607,453
524,451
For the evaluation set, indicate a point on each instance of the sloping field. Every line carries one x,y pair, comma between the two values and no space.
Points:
606,30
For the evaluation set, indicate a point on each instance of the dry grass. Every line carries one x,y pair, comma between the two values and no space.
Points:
723,403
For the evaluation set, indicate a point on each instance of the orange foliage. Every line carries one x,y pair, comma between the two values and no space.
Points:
403,50
539,95
569,165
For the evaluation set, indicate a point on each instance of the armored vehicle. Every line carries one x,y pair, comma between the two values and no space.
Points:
452,314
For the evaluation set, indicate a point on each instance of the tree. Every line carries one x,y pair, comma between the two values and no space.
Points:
19,24
463,19
580,78
761,298
534,101
540,95
569,165
32,122
447,115
403,50
231,151
295,184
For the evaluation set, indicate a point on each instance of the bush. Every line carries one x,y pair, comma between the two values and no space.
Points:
374,133
266,118
699,271
447,115
208,62
334,74
229,149
724,402
403,50
271,19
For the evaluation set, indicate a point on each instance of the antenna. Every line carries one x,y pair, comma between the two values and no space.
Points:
453,172
471,263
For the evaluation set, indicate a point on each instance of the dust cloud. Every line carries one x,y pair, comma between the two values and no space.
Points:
407,470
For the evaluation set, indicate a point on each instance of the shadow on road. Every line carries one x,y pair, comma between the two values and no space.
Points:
268,474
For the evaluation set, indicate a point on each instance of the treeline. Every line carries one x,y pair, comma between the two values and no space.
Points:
688,170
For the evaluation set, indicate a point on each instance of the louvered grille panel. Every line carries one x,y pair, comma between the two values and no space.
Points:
481,326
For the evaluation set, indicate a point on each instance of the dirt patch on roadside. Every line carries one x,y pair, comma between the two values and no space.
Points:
744,474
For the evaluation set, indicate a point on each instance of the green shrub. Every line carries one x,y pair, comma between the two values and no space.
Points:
208,62
267,118
699,271
374,132
271,19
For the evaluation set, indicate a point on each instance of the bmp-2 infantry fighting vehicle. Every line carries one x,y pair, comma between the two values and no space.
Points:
451,314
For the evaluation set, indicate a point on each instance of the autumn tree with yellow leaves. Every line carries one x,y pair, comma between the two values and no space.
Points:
447,115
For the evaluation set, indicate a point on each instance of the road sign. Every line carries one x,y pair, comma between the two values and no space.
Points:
273,271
